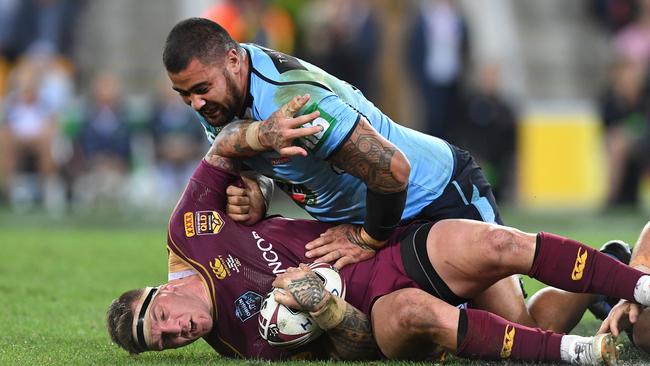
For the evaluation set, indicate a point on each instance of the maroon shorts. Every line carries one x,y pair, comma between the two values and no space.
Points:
371,279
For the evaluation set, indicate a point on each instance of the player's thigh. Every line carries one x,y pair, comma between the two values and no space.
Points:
406,324
506,299
641,331
470,256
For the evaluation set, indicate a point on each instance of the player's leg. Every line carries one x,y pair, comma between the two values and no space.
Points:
410,323
641,331
469,256
559,310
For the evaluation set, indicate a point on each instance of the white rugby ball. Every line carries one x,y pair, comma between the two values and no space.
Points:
288,328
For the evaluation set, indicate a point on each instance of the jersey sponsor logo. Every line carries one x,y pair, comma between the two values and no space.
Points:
208,223
224,267
268,254
188,223
579,266
299,193
248,305
279,161
508,341
325,121
283,62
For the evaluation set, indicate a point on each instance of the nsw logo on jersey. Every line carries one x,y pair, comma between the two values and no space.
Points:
298,192
325,121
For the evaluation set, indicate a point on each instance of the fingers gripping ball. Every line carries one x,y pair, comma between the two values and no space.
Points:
288,328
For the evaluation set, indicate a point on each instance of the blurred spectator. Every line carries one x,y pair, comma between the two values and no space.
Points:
255,21
43,24
625,112
632,43
179,142
489,131
438,51
342,37
104,141
27,133
614,14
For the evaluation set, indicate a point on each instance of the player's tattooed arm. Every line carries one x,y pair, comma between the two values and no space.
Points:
231,141
214,159
350,335
247,138
352,339
373,159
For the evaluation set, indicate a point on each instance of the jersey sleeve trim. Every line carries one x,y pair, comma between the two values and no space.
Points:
284,83
345,139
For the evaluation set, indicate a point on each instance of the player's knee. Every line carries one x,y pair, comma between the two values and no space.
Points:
497,241
416,313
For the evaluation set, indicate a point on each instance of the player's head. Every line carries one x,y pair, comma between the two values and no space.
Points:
157,318
204,65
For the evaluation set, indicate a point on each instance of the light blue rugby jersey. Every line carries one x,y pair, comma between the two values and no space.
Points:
325,192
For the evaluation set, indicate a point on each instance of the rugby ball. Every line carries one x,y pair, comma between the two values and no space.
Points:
287,328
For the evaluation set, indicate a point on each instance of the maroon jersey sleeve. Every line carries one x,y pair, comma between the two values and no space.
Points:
207,186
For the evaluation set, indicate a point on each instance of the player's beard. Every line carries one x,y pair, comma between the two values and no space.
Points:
227,110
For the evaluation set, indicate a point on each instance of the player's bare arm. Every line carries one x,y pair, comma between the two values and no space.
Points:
348,328
385,170
373,159
247,138
214,159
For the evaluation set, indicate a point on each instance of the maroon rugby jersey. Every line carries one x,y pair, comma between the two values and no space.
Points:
238,263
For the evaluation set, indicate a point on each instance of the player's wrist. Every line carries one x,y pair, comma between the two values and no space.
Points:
331,313
370,241
253,136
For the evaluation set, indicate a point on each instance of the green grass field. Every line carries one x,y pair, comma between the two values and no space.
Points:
57,278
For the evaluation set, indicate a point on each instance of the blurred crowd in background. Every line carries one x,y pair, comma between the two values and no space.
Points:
74,138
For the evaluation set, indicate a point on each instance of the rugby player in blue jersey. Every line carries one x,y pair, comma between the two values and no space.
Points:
350,165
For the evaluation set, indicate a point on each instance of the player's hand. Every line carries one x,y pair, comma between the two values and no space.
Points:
245,205
340,245
282,128
300,289
621,317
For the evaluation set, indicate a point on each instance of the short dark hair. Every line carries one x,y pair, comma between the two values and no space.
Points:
196,38
119,320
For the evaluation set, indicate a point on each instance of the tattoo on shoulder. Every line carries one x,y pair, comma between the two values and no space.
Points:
368,156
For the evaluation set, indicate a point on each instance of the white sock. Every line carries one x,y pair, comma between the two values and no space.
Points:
566,346
642,291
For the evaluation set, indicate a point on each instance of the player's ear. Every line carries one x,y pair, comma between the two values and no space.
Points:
233,63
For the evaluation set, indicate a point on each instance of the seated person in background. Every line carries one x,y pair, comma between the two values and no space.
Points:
625,113
105,142
178,141
27,132
218,265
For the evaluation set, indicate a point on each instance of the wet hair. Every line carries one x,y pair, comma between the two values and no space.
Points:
119,320
197,38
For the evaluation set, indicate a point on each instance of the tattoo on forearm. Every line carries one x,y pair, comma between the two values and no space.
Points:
308,291
352,339
354,237
367,156
219,161
231,141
